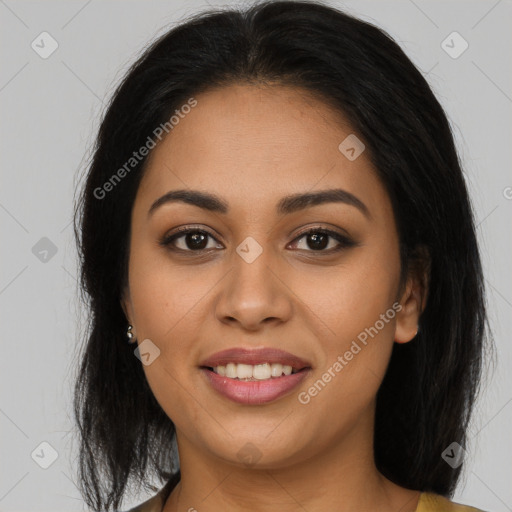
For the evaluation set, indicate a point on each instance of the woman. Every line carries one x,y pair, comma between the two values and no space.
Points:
276,220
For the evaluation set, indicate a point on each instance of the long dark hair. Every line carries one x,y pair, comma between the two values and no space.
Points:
427,396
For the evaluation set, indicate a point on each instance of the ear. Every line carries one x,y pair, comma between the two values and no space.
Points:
414,297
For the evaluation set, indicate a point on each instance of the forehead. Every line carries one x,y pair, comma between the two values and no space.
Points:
254,145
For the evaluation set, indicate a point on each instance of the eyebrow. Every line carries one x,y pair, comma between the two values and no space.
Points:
287,205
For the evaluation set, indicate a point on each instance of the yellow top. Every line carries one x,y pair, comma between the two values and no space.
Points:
428,502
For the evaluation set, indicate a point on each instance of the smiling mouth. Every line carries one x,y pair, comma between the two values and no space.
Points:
257,372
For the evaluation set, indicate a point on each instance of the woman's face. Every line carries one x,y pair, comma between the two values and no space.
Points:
255,280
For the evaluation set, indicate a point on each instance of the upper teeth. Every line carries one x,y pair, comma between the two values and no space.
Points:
257,371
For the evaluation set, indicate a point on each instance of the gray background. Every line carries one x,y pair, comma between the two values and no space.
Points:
50,112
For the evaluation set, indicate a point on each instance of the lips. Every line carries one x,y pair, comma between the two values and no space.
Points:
254,392
254,357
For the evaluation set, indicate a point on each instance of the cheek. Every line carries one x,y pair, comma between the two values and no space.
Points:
163,294
350,297
165,301
355,319
355,352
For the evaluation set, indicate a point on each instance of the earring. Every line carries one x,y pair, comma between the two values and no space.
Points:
129,335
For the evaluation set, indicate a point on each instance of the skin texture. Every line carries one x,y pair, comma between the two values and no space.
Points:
252,145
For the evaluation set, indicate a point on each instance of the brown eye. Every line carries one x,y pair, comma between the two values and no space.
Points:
194,240
318,239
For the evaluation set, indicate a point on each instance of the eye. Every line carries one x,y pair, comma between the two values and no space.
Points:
318,239
196,240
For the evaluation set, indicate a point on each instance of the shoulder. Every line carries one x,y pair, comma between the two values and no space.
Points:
430,502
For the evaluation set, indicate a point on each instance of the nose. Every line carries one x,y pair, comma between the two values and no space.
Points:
255,293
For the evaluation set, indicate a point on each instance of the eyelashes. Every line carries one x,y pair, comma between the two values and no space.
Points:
201,236
343,241
169,240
